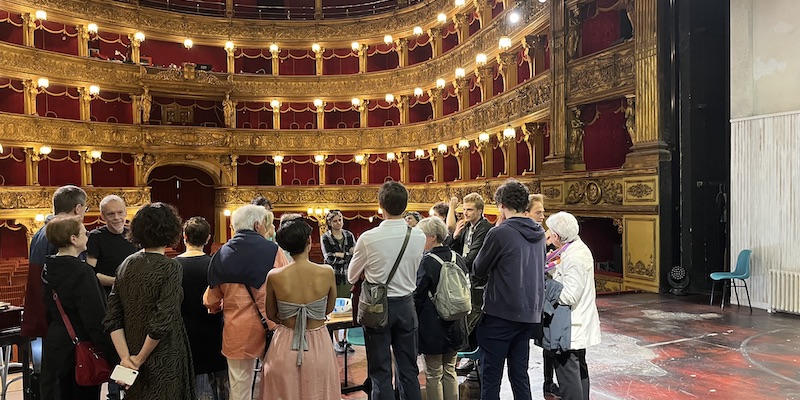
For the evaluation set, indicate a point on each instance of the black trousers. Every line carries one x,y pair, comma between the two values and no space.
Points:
502,340
399,337
548,361
572,374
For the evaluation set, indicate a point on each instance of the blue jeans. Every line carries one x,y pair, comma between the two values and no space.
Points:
502,340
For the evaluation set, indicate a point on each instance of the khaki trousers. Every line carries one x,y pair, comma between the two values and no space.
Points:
441,382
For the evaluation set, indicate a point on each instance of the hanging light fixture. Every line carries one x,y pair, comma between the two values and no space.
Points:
43,83
355,101
417,30
480,59
388,39
463,143
316,48
460,72
505,43
95,154
442,18
419,153
509,132
442,148
441,83
94,90
45,150
318,103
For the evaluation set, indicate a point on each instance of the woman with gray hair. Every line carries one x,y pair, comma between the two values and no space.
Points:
439,340
576,273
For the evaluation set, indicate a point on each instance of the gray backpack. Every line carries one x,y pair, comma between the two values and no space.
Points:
452,298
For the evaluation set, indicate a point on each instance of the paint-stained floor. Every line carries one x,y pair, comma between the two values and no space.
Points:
667,347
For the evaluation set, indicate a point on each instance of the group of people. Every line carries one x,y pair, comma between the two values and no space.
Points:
196,326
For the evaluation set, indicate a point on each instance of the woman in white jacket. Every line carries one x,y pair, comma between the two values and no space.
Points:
576,274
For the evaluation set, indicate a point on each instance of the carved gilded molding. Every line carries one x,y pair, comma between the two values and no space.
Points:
641,252
527,102
40,197
593,192
26,62
605,75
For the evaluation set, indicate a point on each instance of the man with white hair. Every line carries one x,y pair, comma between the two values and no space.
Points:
108,245
576,274
236,278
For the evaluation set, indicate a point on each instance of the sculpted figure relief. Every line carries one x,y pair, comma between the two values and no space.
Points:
146,103
576,137
630,118
574,34
229,110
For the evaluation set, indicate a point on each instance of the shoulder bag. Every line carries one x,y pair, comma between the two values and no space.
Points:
91,369
373,305
263,320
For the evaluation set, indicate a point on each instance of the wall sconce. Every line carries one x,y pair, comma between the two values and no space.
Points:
39,218
390,156
94,90
95,154
509,134
278,159
483,137
463,144
419,153
480,59
460,73
442,148
229,46
442,18
43,83
226,212
275,104
318,103
45,150
356,102
355,46
513,17
441,83
459,3
505,43
418,92
316,48
361,159
92,28
417,31
389,98
317,214
138,36
41,15
388,39
273,48
319,159
188,43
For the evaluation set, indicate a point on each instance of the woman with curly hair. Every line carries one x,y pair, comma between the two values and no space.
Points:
144,310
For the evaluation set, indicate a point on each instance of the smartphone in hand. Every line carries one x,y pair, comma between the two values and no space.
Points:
124,375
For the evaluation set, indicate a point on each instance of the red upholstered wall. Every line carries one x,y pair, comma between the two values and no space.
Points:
475,165
474,93
421,52
297,62
214,56
498,8
109,43
8,32
346,172
498,165
300,170
59,102
381,57
113,170
339,115
60,168
380,171
247,169
419,112
474,25
13,240
11,100
523,158
450,105
253,61
606,141
523,69
298,116
112,107
450,167
12,166
498,82
164,53
600,32
380,112
420,170
449,38
256,115
57,37
339,62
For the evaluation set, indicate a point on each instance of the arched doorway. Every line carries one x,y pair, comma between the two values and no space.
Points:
189,189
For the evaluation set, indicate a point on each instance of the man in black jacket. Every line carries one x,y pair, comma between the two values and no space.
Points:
512,261
468,235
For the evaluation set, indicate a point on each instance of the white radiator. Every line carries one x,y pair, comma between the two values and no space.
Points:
784,291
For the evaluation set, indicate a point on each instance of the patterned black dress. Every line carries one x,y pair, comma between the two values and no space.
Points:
146,300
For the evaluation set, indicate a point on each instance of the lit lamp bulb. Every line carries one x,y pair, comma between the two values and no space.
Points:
513,17
380,211
319,158
417,31
442,148
460,73
390,156
355,45
310,211
45,150
418,92
317,103
483,137
355,101
188,43
480,59
95,154
91,28
505,43
94,90
419,153
318,211
274,104
442,17
138,36
273,48
326,211
463,144
39,218
509,132
43,82
387,39
359,158
316,48
229,45
278,159
41,15
459,3
389,98
441,83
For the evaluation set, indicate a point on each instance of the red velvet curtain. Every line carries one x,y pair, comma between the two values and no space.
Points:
12,166
253,61
112,107
498,8
189,189
606,141
61,167
381,58
57,37
297,62
474,25
11,100
13,240
475,164
254,115
420,170
474,93
382,115
214,56
450,168
9,32
498,162
449,38
113,170
247,168
165,53
498,85
450,105
523,158
420,112
339,62
109,44
523,68
600,32
381,171
298,116
422,52
345,172
341,119
299,170
62,103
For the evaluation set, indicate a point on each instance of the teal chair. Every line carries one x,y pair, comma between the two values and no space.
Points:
741,273
473,355
355,336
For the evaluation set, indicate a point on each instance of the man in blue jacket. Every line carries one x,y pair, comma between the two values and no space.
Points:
512,258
